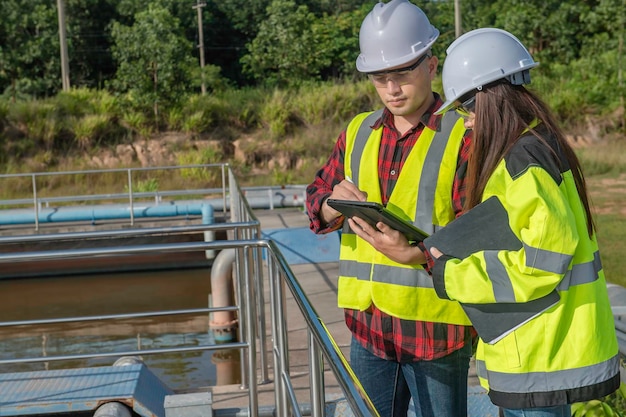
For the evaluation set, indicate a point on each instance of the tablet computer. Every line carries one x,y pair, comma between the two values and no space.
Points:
375,212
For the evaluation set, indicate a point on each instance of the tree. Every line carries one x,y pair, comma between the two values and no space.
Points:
154,60
284,52
29,50
550,29
246,16
338,40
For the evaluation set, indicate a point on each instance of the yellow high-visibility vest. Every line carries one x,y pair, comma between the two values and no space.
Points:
423,196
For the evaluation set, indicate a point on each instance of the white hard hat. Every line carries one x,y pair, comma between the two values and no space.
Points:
394,34
480,57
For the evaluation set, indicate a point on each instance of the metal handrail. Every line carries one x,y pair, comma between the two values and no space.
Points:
130,195
321,342
157,196
244,235
279,275
100,234
38,201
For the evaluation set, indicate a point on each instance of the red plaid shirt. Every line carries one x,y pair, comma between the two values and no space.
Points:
386,336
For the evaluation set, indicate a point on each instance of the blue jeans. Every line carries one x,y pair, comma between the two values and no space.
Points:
558,411
438,387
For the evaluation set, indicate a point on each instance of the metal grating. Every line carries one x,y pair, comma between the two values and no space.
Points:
82,389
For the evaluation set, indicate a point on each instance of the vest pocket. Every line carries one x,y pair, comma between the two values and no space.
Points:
510,350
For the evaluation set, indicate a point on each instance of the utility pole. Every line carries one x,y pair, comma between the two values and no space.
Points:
65,66
199,7
620,51
457,18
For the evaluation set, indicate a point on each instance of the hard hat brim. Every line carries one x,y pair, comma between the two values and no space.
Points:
445,107
386,64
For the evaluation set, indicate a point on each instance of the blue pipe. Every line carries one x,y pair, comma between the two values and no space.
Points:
71,214
120,211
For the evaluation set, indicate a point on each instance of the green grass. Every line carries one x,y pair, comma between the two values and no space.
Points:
608,195
612,247
604,164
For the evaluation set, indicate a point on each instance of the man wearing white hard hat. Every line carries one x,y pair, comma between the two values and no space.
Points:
407,343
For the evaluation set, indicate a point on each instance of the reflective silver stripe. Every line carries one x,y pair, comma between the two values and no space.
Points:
430,173
355,269
481,369
500,281
362,135
548,381
386,274
547,260
582,273
402,276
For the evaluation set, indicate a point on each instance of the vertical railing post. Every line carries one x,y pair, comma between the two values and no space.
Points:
281,334
230,184
35,202
270,196
235,215
250,315
130,198
316,377
277,348
241,301
260,288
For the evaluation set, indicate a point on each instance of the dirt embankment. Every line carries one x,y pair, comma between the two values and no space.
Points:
260,157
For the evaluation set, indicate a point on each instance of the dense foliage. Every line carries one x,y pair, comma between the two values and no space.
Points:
251,42
135,66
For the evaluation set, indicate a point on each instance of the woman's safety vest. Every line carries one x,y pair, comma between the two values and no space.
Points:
423,196
569,353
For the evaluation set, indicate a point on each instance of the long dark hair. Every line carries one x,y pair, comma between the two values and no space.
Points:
503,112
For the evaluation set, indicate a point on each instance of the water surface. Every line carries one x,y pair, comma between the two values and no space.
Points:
97,295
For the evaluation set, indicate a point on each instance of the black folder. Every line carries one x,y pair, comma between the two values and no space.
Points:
486,227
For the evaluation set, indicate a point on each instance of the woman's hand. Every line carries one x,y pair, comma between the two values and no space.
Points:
435,253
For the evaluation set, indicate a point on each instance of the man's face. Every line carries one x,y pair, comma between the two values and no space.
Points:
407,90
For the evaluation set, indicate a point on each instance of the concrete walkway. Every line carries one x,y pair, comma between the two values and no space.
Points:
313,260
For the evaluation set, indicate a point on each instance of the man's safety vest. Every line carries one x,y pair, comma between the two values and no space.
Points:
423,196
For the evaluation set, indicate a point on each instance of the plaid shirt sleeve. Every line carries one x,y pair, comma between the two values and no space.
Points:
331,174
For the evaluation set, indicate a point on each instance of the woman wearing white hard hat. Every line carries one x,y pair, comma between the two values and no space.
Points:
568,352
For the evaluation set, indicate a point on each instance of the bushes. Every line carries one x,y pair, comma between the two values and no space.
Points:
613,405
582,94
588,86
94,117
